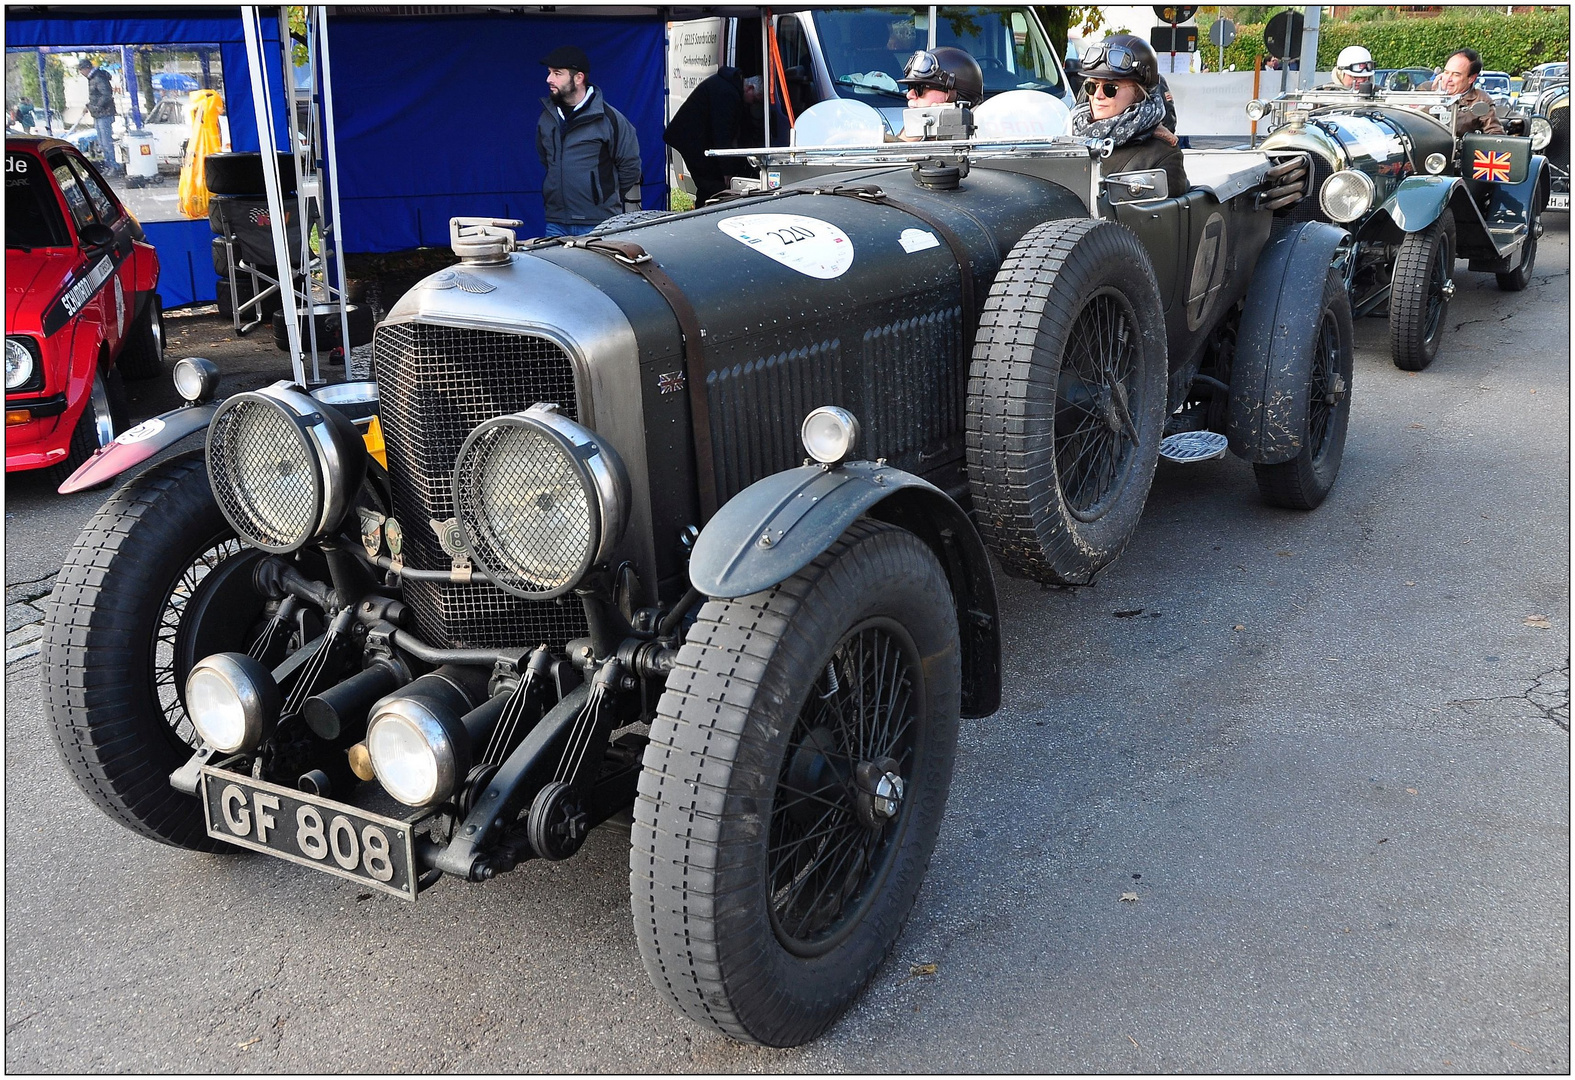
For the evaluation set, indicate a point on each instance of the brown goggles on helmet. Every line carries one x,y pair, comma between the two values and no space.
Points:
923,68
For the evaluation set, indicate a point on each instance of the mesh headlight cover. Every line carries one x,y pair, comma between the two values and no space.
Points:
540,499
283,469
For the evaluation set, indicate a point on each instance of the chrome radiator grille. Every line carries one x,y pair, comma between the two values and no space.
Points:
435,384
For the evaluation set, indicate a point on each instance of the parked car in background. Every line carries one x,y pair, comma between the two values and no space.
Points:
1389,168
1541,111
82,307
1402,78
1496,85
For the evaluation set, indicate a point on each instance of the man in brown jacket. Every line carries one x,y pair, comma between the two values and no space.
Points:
1460,77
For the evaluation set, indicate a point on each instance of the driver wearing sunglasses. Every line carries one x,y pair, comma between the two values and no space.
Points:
1123,100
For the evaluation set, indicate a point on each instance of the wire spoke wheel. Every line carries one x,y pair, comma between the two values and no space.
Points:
165,673
793,787
1093,424
825,850
1066,399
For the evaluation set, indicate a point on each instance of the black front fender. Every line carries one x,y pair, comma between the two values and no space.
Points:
1269,375
777,526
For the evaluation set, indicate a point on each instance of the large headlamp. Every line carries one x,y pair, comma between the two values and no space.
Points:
540,499
1541,135
1346,195
20,363
284,468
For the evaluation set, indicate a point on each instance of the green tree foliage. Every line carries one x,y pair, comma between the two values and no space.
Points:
1511,43
1059,19
55,75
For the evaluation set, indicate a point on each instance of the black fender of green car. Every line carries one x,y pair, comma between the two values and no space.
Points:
1272,365
778,525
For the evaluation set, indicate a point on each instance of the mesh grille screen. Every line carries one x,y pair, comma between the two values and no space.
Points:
263,475
436,384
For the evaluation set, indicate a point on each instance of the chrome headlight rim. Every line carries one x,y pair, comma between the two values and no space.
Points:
253,691
1332,188
833,423
23,352
1257,109
1435,164
196,379
1541,133
327,439
417,718
604,484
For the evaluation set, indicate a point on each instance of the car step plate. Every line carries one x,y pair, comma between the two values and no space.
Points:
1190,446
376,851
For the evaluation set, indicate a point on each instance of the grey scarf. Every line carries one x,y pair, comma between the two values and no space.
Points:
1134,122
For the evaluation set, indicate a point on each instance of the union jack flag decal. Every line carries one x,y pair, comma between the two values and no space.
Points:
1490,165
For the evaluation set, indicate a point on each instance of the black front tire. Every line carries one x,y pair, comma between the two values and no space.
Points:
143,355
1066,400
1305,480
766,889
118,643
1419,294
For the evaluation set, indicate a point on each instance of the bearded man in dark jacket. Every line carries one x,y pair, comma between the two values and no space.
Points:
712,118
589,149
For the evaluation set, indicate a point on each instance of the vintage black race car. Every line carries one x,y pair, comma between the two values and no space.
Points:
594,579
1388,166
1542,113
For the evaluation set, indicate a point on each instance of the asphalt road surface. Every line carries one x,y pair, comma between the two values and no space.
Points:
1281,793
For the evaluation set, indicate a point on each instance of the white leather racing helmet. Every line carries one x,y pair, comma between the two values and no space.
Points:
1355,61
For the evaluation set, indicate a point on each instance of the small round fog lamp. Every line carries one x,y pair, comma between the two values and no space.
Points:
830,434
1435,164
196,379
231,699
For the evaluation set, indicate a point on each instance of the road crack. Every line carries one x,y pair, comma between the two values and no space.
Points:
1548,695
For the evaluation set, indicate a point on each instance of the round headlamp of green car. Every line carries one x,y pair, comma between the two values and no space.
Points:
1541,133
540,500
1435,164
284,469
19,363
1346,195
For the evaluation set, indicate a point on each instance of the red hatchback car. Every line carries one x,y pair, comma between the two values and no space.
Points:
81,307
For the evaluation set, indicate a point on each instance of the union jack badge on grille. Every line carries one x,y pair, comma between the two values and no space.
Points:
670,382
1490,165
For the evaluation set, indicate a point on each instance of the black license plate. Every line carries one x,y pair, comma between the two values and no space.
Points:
375,851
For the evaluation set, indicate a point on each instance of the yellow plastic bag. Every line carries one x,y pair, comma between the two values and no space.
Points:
202,117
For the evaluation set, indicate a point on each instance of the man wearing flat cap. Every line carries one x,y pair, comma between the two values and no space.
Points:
589,149
101,107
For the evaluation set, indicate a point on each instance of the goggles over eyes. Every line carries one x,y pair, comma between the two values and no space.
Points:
1361,67
1117,58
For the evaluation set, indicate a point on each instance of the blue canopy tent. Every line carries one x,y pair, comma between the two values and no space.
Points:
435,116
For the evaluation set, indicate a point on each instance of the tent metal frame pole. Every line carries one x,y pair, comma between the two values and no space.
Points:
331,223
262,105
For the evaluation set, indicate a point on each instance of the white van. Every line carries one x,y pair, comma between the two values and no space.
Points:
860,52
